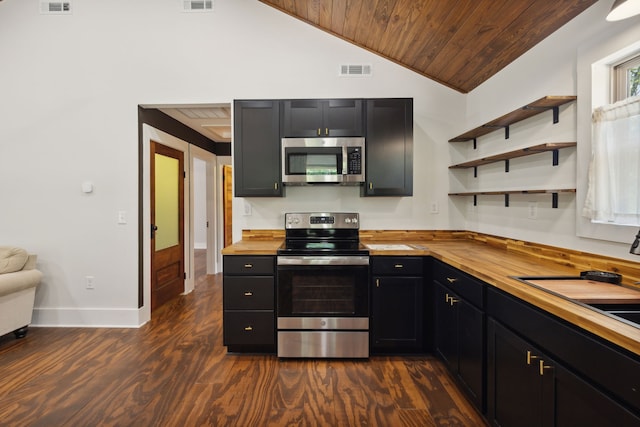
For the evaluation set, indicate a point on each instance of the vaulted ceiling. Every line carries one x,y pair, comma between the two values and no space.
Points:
459,43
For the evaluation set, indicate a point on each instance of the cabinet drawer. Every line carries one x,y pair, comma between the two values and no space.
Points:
464,285
397,266
248,293
249,265
249,328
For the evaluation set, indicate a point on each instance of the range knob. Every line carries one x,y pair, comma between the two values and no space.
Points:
347,220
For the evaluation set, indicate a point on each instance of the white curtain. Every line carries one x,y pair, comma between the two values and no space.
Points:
613,195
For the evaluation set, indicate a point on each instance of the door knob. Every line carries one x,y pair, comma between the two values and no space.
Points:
154,228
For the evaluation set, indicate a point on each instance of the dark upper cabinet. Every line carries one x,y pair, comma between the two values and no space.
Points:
322,117
256,155
389,149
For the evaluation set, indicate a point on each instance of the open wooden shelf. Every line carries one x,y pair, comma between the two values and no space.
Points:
506,193
528,151
536,107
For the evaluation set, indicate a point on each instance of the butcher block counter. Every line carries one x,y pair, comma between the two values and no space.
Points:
496,261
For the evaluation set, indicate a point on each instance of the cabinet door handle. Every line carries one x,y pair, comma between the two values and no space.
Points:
248,328
377,283
399,266
453,300
370,185
531,357
446,298
326,131
275,185
452,279
248,294
319,133
543,367
248,266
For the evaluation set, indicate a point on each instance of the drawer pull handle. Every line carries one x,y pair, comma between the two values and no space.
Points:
531,357
248,294
543,367
399,266
452,279
248,266
248,328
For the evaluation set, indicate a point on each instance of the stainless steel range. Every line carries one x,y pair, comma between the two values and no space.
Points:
323,287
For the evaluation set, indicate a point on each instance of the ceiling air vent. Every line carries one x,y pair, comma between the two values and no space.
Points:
355,70
197,5
55,7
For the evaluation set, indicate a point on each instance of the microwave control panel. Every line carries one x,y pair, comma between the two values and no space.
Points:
354,161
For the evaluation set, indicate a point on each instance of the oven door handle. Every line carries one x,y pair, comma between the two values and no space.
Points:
323,260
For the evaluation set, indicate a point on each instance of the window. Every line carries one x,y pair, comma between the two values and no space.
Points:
613,195
626,79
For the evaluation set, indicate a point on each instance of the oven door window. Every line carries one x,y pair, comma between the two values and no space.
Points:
338,291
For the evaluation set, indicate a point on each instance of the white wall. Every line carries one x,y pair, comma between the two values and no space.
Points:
199,204
70,89
553,67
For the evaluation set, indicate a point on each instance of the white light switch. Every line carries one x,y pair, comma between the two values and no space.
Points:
122,217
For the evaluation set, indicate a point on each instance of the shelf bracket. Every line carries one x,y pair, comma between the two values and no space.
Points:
475,144
554,200
475,171
555,157
506,129
506,165
475,200
555,109
506,200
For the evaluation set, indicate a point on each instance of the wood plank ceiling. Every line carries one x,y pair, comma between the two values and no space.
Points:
459,43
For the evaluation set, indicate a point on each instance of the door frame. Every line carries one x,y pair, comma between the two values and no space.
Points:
150,133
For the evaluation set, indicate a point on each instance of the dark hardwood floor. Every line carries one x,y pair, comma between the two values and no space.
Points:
174,371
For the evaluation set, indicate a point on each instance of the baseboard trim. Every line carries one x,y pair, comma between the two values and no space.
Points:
87,317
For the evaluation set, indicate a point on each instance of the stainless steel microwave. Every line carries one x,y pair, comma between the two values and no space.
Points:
323,161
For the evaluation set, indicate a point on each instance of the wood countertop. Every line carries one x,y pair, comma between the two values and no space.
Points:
495,266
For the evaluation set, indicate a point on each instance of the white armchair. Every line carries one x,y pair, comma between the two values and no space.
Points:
18,281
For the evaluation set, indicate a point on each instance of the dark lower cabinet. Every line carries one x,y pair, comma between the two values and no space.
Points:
542,371
256,148
397,303
527,388
248,303
460,333
389,149
459,339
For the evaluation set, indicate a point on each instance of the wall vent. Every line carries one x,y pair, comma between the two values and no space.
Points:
55,7
197,5
355,70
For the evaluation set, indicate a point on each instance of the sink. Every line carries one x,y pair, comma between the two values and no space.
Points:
615,301
383,247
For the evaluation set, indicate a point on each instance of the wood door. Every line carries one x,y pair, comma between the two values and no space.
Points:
167,224
227,199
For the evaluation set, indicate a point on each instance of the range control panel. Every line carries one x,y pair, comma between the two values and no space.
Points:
322,220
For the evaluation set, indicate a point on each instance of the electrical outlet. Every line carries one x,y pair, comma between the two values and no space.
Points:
89,282
532,210
434,207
